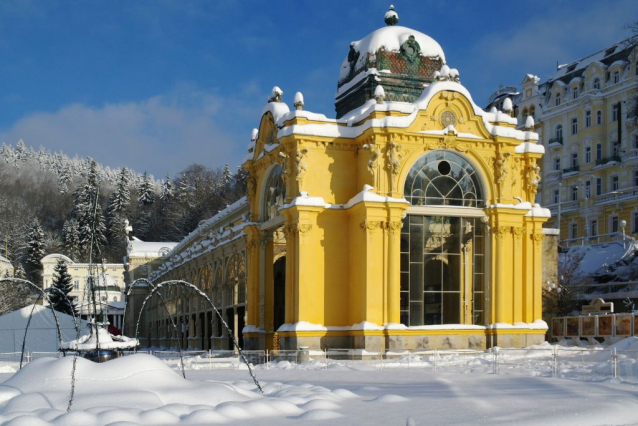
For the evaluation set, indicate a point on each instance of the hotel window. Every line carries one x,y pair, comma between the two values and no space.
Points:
593,230
575,93
614,183
635,223
557,99
615,112
574,193
559,133
599,151
557,164
634,142
614,224
599,186
615,148
588,154
635,177
616,76
573,230
587,118
574,159
76,284
574,125
588,189
556,196
597,83
599,117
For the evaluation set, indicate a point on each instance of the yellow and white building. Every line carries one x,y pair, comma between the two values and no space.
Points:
590,169
407,222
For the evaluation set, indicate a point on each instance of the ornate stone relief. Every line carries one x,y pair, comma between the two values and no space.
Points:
394,160
302,166
370,226
500,170
533,177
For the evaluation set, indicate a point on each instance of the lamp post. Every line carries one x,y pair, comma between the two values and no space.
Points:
623,223
560,194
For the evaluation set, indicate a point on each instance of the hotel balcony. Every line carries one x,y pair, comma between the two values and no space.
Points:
555,142
608,160
571,171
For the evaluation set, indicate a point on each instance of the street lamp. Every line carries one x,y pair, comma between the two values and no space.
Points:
623,223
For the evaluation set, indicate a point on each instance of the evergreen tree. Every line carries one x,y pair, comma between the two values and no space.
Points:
88,212
147,194
62,280
227,179
64,179
71,239
121,197
19,272
167,190
35,252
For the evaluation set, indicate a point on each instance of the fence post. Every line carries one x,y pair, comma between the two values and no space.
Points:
495,351
614,362
555,361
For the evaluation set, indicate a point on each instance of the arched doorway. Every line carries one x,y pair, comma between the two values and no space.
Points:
443,242
279,289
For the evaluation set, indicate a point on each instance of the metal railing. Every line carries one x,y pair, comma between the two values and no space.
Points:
575,363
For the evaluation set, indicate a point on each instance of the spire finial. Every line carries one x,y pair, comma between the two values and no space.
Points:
391,17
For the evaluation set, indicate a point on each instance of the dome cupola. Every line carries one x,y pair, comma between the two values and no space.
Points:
401,59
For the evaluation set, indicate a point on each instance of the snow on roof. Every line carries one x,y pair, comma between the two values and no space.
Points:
333,130
582,63
391,38
57,256
138,247
277,109
4,259
598,255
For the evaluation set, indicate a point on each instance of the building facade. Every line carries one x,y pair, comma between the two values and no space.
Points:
407,222
590,169
109,280
6,268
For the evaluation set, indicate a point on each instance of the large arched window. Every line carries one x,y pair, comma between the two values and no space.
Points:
443,178
236,279
275,193
443,243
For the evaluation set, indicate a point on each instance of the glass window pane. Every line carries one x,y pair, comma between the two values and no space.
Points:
451,308
416,313
416,281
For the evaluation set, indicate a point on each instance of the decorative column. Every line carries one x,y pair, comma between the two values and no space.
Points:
252,274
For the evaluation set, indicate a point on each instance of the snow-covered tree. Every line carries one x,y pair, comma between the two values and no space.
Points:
34,252
88,213
146,192
167,190
19,272
121,197
64,178
71,239
62,280
227,178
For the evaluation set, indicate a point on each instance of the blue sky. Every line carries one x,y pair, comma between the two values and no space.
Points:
158,85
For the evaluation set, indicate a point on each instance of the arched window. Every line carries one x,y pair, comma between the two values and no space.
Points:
443,243
557,98
532,110
217,288
236,279
275,193
597,83
443,178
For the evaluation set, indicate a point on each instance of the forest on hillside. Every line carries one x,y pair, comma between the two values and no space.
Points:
52,203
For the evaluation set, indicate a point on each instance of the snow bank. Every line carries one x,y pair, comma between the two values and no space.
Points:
142,390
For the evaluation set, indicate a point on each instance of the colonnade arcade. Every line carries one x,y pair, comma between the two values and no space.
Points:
221,275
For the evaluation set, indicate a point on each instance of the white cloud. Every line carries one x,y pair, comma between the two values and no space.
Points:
562,31
159,134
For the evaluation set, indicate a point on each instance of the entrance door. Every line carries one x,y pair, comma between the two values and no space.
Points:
279,278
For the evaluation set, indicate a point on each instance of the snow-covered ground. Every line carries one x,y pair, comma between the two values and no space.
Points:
524,387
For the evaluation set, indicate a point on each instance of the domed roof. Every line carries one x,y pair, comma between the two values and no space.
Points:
400,59
391,39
